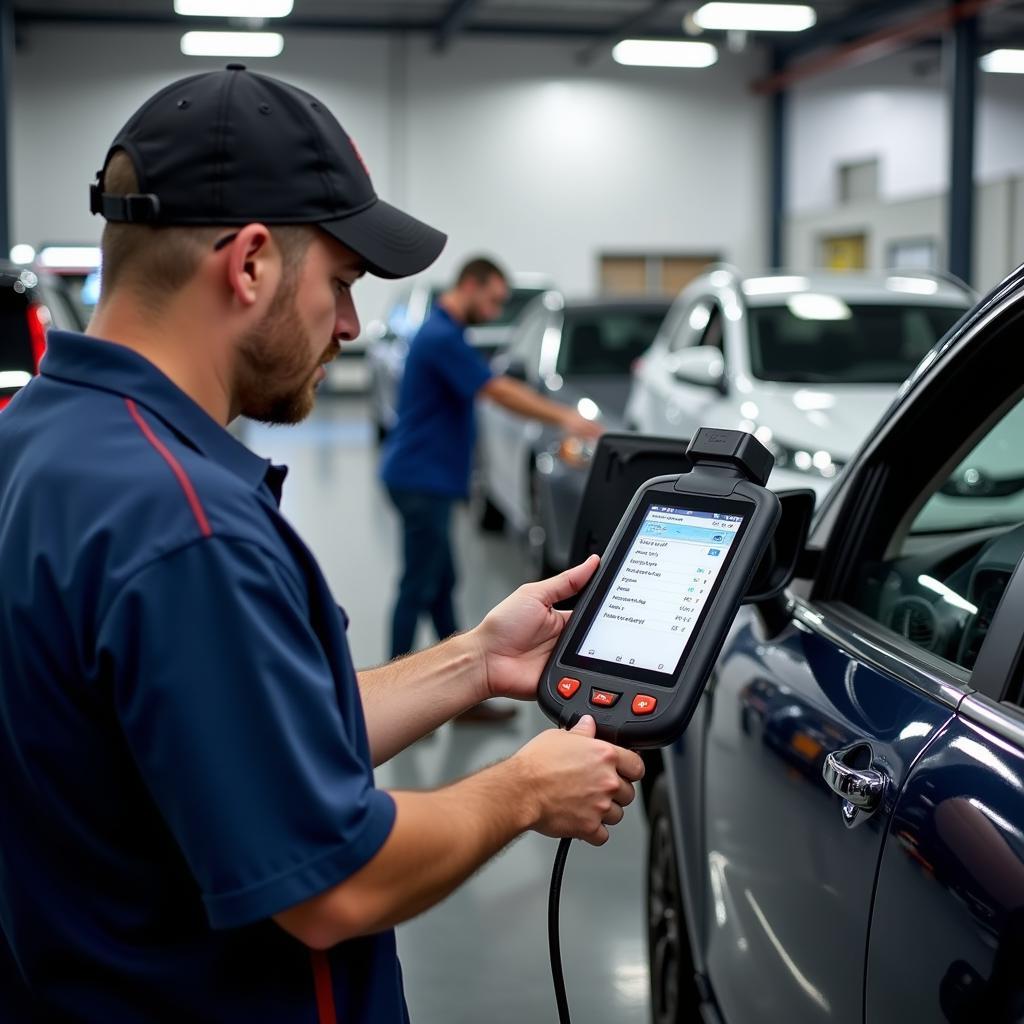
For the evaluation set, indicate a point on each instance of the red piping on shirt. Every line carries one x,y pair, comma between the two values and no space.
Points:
186,484
326,1014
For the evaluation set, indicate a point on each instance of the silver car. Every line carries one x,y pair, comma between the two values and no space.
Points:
578,353
389,339
807,362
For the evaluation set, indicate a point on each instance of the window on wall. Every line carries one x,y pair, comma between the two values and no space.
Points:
844,252
858,181
913,254
653,274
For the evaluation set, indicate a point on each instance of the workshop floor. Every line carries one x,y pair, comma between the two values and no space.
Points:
481,955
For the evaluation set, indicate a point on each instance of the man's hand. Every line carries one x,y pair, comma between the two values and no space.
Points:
516,637
579,426
581,785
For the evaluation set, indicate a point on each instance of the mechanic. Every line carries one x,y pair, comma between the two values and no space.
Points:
428,456
191,830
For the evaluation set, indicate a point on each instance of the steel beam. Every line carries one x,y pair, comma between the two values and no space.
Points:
877,44
963,99
6,69
453,21
622,30
777,170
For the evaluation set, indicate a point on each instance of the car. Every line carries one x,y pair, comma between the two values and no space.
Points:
807,362
76,269
839,834
31,301
578,352
389,339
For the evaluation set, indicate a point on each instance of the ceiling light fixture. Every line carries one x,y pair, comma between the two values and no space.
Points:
1003,62
234,8
756,17
232,44
660,53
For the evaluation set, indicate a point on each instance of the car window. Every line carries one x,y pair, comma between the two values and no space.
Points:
700,324
526,342
518,300
944,574
822,339
605,341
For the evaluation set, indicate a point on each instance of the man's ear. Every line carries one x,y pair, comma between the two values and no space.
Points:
253,264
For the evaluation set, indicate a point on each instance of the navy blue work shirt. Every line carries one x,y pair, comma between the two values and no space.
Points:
182,746
430,450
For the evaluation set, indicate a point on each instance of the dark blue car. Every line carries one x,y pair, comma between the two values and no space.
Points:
839,836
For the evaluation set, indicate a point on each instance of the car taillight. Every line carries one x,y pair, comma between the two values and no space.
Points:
4,399
39,320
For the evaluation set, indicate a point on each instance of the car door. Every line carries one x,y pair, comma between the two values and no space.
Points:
953,864
850,688
506,436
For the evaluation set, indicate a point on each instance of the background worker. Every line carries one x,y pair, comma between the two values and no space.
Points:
428,455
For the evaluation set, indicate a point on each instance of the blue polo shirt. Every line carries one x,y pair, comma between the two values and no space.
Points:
182,746
430,450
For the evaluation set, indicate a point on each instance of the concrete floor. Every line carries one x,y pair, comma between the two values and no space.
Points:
482,954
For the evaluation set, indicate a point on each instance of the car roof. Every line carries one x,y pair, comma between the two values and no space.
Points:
894,286
624,303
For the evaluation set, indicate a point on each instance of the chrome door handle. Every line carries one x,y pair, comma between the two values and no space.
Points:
862,787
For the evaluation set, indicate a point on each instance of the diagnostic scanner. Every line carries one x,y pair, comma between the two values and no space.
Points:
645,635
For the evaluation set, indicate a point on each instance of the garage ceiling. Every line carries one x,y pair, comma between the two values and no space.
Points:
839,21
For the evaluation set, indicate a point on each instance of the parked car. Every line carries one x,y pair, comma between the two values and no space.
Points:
30,302
389,339
808,363
839,835
578,353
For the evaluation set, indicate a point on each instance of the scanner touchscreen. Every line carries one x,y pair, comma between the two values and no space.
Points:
669,573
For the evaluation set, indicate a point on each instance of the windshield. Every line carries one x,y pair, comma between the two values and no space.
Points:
518,298
821,339
606,341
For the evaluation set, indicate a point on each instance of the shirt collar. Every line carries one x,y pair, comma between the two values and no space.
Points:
106,366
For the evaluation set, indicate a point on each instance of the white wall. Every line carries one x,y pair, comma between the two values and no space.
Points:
512,148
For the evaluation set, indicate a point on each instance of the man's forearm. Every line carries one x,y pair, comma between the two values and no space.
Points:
406,698
525,401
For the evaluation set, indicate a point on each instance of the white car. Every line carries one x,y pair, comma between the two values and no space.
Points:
808,363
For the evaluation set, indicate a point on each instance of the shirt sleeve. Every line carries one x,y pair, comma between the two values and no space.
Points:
461,367
230,708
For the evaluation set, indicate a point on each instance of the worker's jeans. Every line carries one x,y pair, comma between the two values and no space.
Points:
428,576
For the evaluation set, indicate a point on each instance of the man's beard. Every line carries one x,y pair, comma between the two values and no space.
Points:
273,357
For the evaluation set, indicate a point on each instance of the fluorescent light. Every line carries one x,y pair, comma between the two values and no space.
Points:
775,285
1004,62
232,44
659,53
813,306
14,378
234,8
85,256
22,253
756,17
912,285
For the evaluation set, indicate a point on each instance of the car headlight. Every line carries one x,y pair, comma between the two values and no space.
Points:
575,452
816,462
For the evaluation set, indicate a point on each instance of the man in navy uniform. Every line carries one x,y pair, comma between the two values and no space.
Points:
191,830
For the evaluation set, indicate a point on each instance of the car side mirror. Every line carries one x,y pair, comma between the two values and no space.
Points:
702,366
780,562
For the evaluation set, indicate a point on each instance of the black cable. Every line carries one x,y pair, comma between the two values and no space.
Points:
554,945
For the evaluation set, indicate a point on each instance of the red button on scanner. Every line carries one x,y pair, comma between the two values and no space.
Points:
603,698
567,687
644,705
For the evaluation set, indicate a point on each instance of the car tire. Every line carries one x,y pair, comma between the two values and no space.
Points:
674,995
484,513
541,565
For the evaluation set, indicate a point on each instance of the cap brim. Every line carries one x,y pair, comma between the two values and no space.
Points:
392,243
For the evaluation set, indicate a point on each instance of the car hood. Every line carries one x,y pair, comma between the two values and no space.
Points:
608,393
835,420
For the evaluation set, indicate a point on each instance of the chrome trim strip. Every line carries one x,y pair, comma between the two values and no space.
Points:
866,649
1005,720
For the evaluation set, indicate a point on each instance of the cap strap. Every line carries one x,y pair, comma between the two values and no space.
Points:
134,208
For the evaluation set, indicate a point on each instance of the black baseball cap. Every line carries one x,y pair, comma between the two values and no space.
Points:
234,147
